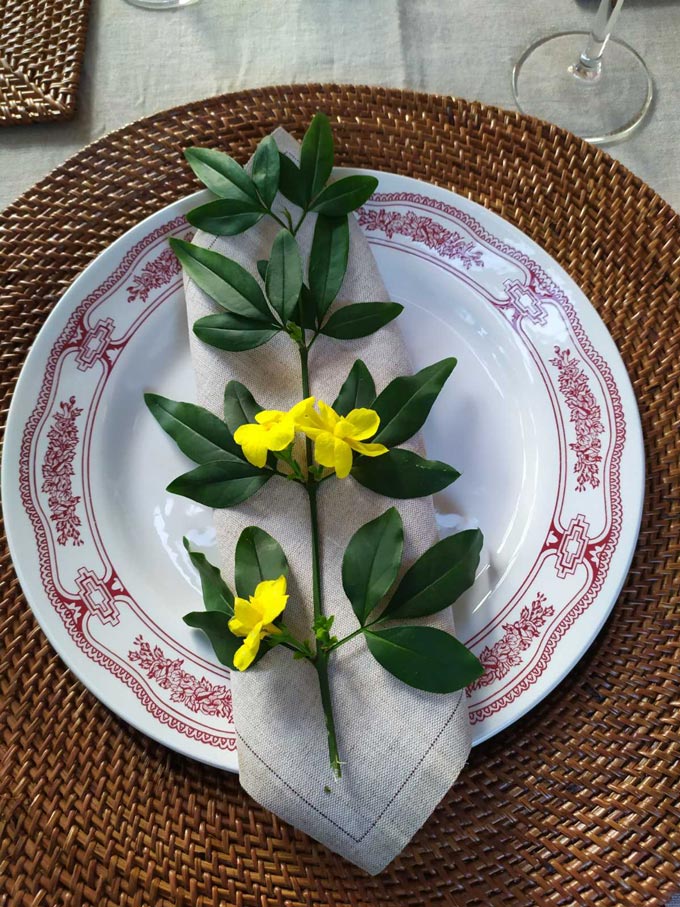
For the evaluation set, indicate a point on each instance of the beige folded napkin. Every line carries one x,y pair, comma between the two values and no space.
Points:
402,749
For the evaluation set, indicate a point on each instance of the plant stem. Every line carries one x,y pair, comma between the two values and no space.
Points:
299,224
304,368
321,660
278,219
316,559
341,642
321,665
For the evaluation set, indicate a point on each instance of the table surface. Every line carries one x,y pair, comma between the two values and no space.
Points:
575,805
140,61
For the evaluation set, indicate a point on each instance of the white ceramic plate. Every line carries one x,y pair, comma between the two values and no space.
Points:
540,417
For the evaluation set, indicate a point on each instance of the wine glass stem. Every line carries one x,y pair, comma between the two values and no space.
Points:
589,65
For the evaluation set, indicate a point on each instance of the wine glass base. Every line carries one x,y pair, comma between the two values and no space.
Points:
161,4
608,108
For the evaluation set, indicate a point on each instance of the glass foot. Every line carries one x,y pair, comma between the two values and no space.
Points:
161,4
608,107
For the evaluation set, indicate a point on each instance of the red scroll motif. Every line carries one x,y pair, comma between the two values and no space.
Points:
585,415
197,695
506,653
94,344
420,228
57,469
154,275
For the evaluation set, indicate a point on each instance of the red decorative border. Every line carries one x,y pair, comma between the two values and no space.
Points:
73,613
518,636
154,275
542,289
197,695
586,416
420,228
57,469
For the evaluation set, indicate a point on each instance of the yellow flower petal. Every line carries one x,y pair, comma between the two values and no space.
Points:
244,657
246,615
252,640
269,415
359,424
303,408
329,417
273,586
310,422
343,458
274,431
252,440
368,450
270,598
245,654
280,434
324,449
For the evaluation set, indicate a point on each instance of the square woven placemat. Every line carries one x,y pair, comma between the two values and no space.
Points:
41,51
577,803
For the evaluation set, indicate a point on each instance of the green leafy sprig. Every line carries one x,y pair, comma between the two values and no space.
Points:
253,311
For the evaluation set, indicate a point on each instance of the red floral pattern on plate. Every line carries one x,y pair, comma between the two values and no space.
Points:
420,228
153,275
197,695
585,415
57,470
518,636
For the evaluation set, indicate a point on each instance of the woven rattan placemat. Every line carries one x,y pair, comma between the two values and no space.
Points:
41,49
576,804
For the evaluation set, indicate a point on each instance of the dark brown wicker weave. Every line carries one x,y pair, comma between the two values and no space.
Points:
41,49
576,804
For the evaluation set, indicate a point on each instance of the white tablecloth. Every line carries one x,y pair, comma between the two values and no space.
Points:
139,61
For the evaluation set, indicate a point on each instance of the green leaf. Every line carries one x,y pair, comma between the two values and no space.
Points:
225,281
231,332
258,557
357,392
316,156
438,577
403,474
262,268
406,402
345,195
226,216
284,275
425,658
290,181
220,484
266,170
328,260
196,431
215,626
217,596
360,319
221,174
371,562
240,406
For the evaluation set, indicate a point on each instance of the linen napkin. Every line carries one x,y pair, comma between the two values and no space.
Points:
401,749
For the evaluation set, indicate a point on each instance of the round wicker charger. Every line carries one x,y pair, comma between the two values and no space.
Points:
576,804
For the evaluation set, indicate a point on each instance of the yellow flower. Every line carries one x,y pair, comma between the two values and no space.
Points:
335,436
274,430
253,618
